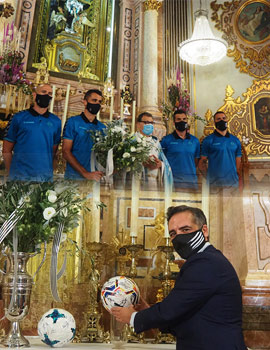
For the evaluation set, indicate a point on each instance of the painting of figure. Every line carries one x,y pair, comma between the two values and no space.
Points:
262,115
254,21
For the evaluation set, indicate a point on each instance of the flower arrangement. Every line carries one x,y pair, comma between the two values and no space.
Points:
45,206
129,151
11,61
178,98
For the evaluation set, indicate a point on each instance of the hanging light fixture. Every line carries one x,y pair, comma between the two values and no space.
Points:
203,47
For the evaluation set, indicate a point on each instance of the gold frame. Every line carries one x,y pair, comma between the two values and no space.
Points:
250,57
242,123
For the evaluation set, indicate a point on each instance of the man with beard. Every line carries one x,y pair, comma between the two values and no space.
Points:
204,309
32,139
223,152
77,140
183,152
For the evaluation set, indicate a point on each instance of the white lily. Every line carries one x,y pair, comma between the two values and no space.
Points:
48,213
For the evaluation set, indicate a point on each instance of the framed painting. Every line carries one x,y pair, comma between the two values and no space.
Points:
253,21
261,115
73,36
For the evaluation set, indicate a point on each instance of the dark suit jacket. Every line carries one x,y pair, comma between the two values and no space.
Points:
204,309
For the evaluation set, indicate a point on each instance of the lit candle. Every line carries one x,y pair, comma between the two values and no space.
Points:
111,108
167,204
133,117
96,212
53,97
134,206
64,118
121,108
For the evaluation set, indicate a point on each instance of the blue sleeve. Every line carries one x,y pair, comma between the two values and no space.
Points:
238,152
205,147
198,149
12,129
69,130
57,135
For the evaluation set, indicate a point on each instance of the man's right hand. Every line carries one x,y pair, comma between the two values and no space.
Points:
94,175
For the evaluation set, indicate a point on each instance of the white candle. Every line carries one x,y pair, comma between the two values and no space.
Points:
205,198
98,115
96,212
53,97
111,108
121,108
133,117
64,117
167,204
134,206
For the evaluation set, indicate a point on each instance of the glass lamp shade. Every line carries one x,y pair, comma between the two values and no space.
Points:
203,47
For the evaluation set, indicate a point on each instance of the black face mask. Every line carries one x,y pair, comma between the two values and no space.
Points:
221,125
181,126
189,243
43,100
93,108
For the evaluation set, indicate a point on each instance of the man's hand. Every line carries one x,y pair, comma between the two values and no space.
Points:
94,175
123,314
153,163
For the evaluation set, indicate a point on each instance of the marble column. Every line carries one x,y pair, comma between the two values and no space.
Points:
150,57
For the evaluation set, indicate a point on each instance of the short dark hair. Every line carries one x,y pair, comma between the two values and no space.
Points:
218,112
141,115
92,91
198,215
179,111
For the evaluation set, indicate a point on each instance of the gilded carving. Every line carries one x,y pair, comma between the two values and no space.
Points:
245,25
152,5
249,118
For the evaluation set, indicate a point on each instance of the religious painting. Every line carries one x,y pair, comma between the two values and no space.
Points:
262,115
73,36
246,27
253,21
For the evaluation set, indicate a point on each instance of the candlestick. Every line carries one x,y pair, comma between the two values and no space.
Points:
111,108
134,206
121,108
66,107
133,117
53,97
95,212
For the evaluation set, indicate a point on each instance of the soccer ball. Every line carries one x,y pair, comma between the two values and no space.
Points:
57,327
119,291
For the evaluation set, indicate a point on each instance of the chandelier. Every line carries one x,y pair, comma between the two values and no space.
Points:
203,47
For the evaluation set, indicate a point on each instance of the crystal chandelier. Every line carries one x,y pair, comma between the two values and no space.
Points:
203,47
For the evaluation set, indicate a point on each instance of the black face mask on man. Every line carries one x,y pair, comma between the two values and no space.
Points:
189,243
180,126
221,125
43,100
93,108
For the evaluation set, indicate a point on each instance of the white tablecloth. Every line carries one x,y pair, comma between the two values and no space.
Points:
36,343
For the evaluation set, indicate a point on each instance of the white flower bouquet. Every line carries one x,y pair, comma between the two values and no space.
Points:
45,206
128,151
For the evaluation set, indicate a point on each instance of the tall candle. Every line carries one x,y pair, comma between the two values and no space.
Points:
121,108
133,117
53,97
134,206
205,198
96,212
111,108
98,115
167,204
64,118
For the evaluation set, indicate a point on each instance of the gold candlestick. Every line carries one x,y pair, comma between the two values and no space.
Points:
133,248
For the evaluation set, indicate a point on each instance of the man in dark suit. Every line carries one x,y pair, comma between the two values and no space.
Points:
204,309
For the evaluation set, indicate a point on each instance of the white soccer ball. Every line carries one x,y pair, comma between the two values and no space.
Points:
119,291
57,327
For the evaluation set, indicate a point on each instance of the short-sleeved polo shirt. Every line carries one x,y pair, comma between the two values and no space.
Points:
221,152
34,136
181,155
78,130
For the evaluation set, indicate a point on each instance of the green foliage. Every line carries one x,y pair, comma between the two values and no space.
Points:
46,205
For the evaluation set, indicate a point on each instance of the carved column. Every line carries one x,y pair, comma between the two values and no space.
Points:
149,99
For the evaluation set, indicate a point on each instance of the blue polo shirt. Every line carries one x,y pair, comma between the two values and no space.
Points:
78,130
221,152
181,154
34,136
